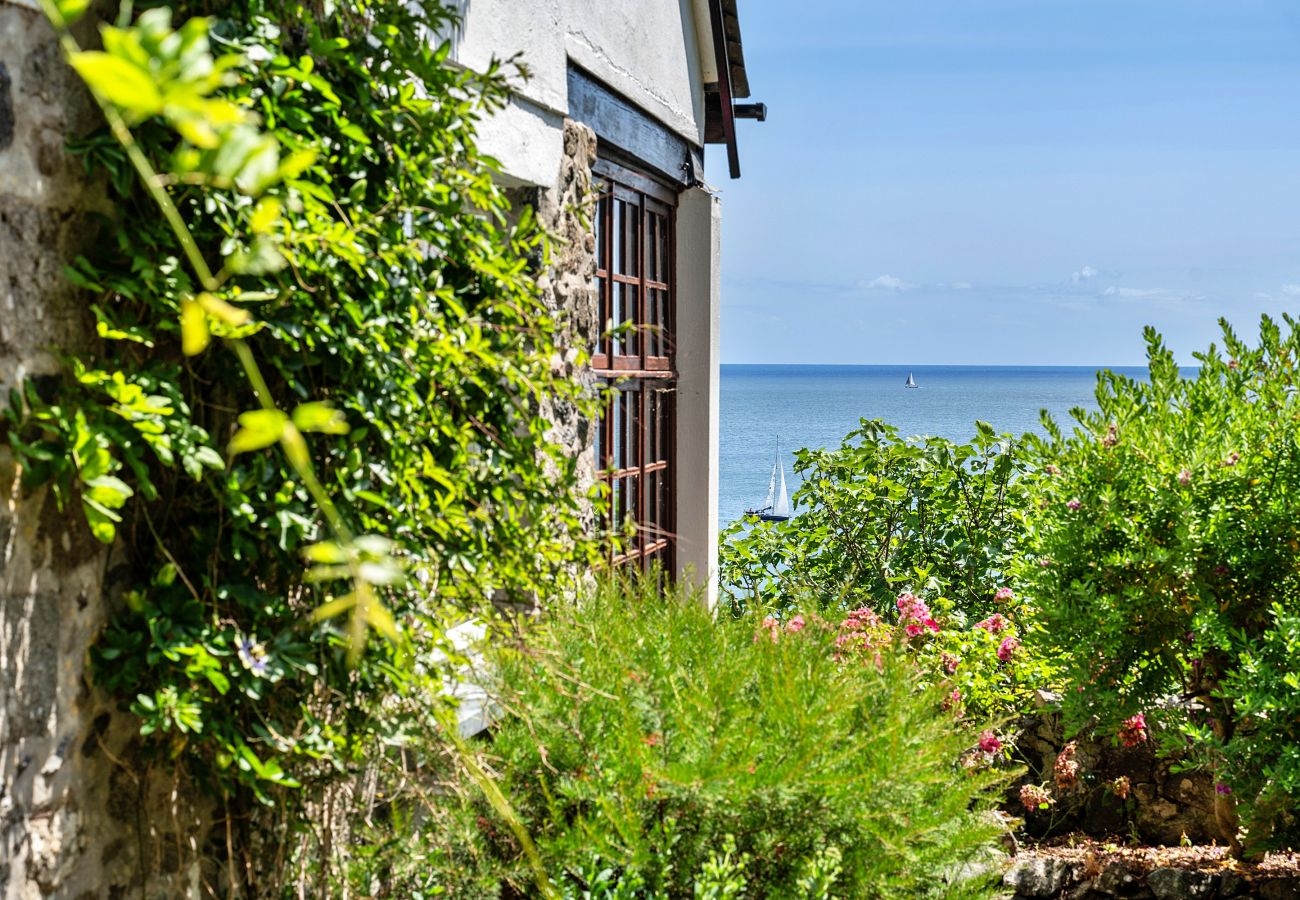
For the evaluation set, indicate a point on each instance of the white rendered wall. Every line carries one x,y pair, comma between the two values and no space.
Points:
699,316
646,50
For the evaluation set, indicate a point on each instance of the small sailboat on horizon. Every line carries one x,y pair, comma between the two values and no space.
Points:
776,507
911,382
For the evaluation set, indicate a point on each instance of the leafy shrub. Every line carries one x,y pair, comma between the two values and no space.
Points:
643,739
1164,561
880,512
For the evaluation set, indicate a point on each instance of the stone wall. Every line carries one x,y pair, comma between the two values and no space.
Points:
80,817
1163,806
565,210
1098,873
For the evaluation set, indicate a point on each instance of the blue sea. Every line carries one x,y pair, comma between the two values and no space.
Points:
816,406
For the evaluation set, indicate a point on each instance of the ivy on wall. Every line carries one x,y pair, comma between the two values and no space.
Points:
304,240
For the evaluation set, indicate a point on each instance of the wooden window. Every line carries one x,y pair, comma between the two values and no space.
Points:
635,356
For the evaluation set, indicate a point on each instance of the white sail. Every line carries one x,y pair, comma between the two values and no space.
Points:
782,507
771,488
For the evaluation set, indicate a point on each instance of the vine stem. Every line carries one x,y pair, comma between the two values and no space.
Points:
291,440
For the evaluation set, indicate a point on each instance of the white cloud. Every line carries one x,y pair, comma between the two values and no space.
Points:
1134,293
1087,273
1160,296
962,285
1291,290
885,283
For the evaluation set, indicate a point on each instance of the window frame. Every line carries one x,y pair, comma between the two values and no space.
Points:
636,436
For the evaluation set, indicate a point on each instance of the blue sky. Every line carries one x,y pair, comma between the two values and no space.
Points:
1010,181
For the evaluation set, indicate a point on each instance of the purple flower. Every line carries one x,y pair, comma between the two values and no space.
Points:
253,656
1222,789
1073,503
1185,477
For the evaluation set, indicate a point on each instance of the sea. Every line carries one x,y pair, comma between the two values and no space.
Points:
768,412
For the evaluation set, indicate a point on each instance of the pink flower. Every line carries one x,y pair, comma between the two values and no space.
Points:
1233,364
1133,731
953,701
796,625
1004,594
1121,787
993,624
1222,789
1073,503
989,742
949,663
1185,477
1066,769
1033,797
860,631
1044,562
914,615
771,626
1008,646
1232,459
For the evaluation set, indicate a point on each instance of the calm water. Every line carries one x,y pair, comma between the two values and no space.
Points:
816,406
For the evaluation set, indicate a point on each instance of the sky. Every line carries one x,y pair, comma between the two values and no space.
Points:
1018,182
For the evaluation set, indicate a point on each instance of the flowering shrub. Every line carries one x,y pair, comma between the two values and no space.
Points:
880,512
642,731
1163,560
1034,797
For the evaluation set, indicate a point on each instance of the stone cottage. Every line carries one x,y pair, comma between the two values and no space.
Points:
621,101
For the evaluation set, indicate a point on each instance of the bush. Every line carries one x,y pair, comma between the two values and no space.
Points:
880,512
655,752
1164,560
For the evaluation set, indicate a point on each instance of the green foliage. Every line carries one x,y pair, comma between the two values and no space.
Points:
311,196
878,513
1164,561
646,741
882,514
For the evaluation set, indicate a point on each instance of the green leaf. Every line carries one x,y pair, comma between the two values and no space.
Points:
70,11
194,328
102,521
259,428
109,491
320,416
118,81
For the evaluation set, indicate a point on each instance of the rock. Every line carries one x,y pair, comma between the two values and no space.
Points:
1280,889
1047,699
1039,877
1182,884
1117,881
1232,885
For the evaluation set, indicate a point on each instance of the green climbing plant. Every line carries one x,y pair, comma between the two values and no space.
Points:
303,240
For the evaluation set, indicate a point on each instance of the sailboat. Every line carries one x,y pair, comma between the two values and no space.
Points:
911,382
776,507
